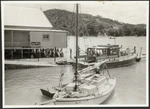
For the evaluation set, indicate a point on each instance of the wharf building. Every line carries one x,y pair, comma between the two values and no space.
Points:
29,34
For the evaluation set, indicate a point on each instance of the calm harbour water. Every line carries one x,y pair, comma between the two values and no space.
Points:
22,86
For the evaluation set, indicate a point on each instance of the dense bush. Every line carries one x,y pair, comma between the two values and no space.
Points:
92,25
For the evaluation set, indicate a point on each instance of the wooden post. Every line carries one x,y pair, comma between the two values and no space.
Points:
140,52
87,54
134,49
22,53
54,49
54,54
12,43
38,54
70,53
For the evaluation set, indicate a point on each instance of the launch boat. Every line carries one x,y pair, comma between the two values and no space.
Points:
115,55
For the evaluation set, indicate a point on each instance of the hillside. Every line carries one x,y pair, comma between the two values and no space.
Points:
92,25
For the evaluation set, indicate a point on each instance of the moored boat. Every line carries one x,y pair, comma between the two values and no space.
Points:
90,85
116,56
93,86
61,62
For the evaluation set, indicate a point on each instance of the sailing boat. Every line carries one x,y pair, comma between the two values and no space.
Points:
90,86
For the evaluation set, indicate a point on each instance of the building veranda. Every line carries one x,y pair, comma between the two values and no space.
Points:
29,34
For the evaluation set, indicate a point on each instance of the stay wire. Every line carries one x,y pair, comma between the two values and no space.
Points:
72,23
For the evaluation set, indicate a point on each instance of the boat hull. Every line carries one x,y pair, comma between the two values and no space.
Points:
121,63
93,100
138,59
111,63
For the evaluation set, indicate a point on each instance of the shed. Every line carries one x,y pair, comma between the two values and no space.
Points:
28,28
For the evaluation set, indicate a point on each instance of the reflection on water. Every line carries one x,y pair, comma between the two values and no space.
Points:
22,87
131,84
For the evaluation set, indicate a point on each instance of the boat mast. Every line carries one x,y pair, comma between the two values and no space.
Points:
76,69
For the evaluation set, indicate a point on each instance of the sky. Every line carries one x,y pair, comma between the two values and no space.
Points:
133,12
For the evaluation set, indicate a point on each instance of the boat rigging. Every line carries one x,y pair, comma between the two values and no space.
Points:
89,87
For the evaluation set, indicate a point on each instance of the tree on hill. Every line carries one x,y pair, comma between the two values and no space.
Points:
92,25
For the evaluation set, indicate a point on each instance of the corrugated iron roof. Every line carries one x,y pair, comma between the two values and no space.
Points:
35,29
23,16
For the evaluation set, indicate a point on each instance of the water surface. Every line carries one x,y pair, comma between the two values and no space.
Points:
22,86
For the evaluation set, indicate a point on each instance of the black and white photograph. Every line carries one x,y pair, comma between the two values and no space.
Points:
75,53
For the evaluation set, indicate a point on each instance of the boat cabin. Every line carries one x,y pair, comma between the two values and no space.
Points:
103,52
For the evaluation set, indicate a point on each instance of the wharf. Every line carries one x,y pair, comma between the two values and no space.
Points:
30,63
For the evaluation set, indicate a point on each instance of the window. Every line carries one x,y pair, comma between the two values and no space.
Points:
46,37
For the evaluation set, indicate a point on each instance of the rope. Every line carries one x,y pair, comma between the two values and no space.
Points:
72,17
84,44
84,27
85,37
90,41
107,70
104,66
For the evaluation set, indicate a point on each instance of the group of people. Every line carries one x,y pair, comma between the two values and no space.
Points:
96,52
45,53
55,52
